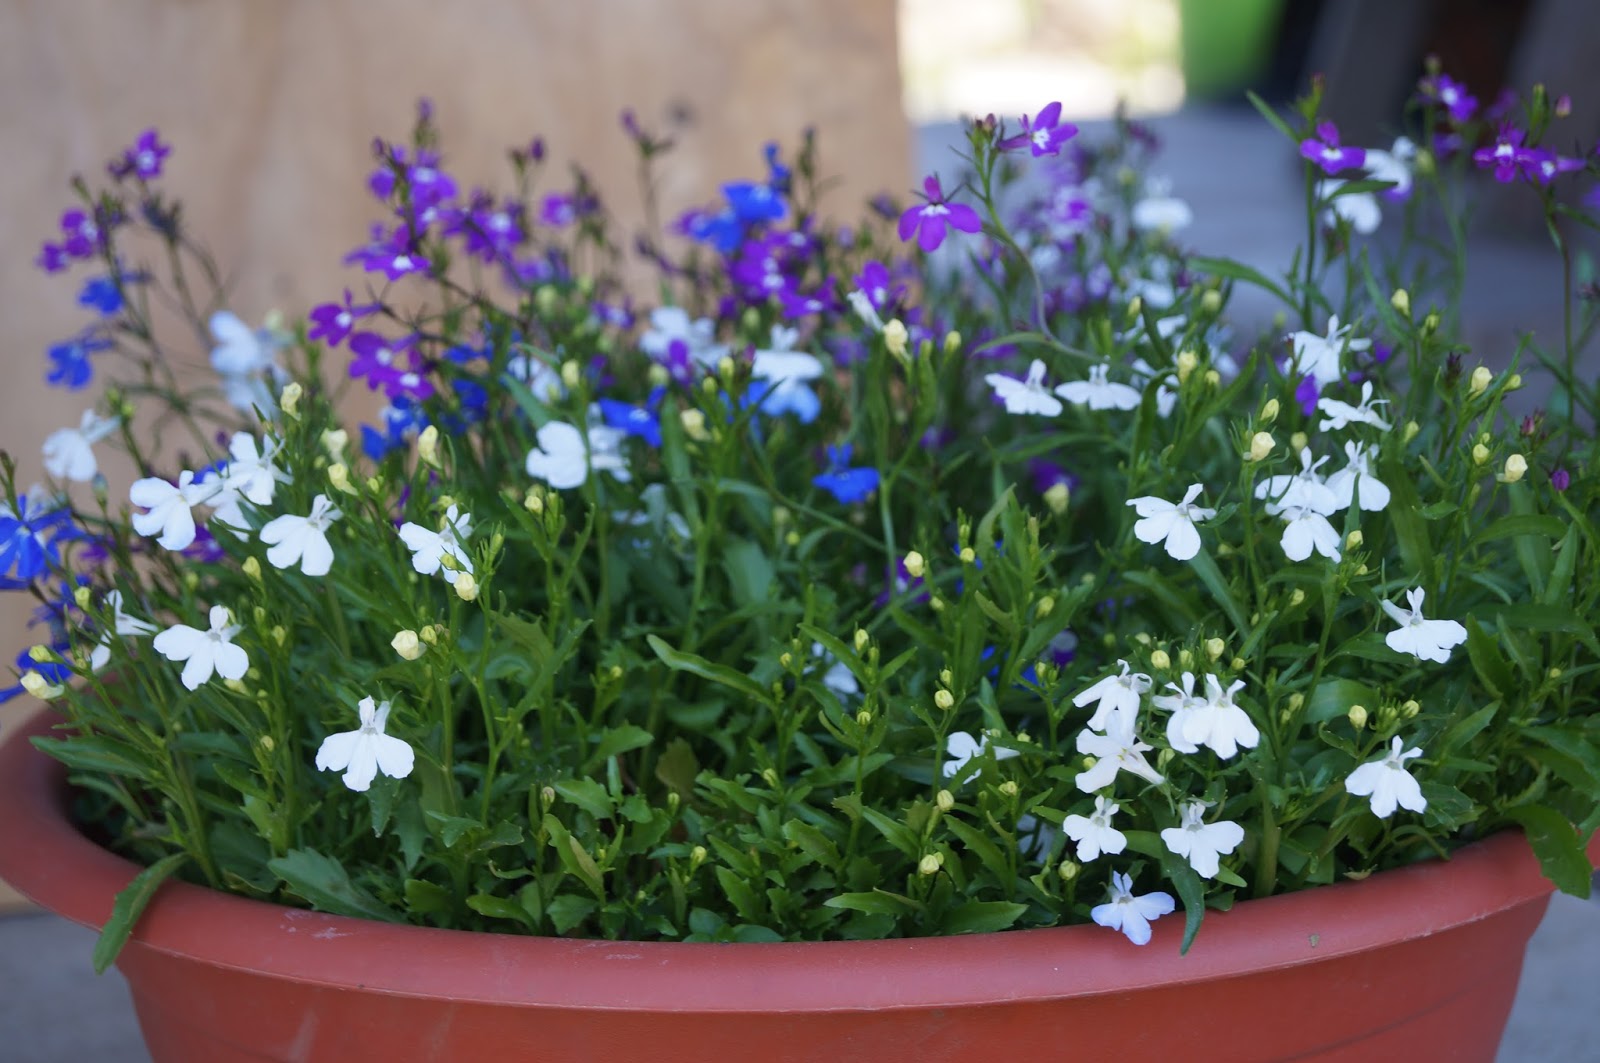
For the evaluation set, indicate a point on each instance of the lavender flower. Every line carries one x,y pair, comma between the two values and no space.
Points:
1326,152
929,221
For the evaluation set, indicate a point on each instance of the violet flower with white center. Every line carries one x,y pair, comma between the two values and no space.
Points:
1356,481
1132,914
1546,166
1341,414
1098,393
1218,724
204,652
1118,696
1202,843
333,322
961,747
302,540
1451,94
429,548
1171,523
1030,396
1321,357
1325,151
361,754
1045,133
122,626
1359,210
169,508
1307,530
1388,783
564,460
1094,833
1427,640
69,452
1304,490
1183,703
930,221
1507,156
1115,751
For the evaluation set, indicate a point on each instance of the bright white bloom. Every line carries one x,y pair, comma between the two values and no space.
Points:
1094,833
1306,489
1356,478
1308,530
1166,390
170,508
1202,843
563,460
1320,356
302,539
250,475
1129,914
1359,209
862,305
543,380
204,651
1118,696
69,452
1184,705
669,324
1116,750
838,677
428,548
1342,414
1218,724
781,363
362,753
1428,640
1162,214
1097,393
1171,523
1388,783
241,357
962,747
1025,396
122,625
1393,165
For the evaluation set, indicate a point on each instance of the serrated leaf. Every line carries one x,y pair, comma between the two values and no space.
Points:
815,844
130,903
618,740
499,908
745,900
588,795
678,767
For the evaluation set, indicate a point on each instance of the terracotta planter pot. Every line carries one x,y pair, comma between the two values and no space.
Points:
1417,963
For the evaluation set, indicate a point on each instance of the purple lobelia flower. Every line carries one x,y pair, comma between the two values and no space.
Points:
1450,94
144,160
930,221
1561,479
1045,133
558,210
1507,156
332,322
489,230
1326,152
394,254
1546,166
875,282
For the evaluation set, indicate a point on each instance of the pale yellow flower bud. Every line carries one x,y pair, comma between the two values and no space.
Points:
1297,442
968,556
408,645
945,800
1480,454
334,440
697,855
1215,648
658,375
1261,445
236,685
1296,702
1211,301
1354,539
1358,716
339,477
1057,496
1068,871
427,447
1009,788
1480,381
1135,308
861,639
1411,430
952,342
1160,661
280,634
466,587
944,699
1513,382
1237,664
430,635
694,424
82,596
947,677
1269,412
1186,660
1213,378
863,718
1516,469
1297,597
289,399
792,539
895,337
40,687
1410,708
1401,301
1046,606
915,565
571,374
929,865
1186,362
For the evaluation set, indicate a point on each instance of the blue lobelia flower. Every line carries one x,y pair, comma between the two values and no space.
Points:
102,294
753,202
402,419
640,421
28,538
72,368
843,483
778,397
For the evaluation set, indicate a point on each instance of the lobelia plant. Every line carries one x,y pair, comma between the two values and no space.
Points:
965,569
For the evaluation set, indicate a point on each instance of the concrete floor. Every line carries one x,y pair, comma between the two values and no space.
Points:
53,1009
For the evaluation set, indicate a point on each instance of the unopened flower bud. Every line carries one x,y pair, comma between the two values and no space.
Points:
1354,539
792,539
428,446
952,342
915,565
280,634
697,856
339,477
407,644
1480,454
928,865
785,660
1135,308
1269,411
235,685
1160,661
1186,362
1237,664
1211,301
1068,871
466,586
1046,606
770,777
430,635
289,399
1296,701
334,440
1261,445
1215,648
863,718
1513,382
1057,497
1185,660
861,639
1430,324
1297,442
1213,378
1357,716
1411,430
694,424
1480,380
945,800
40,687
1009,788
1516,469
1401,301
1297,597
944,699
191,579
968,555
895,337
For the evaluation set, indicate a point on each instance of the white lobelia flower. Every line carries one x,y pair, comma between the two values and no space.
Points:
1162,214
1356,480
1218,724
122,626
69,452
781,363
962,747
304,540
1341,414
242,357
1094,833
1321,356
1306,530
361,754
1388,783
1428,640
428,548
563,460
541,379
1117,695
1115,751
1171,523
169,508
1025,396
1201,843
1184,704
1097,393
249,475
1305,489
204,652
1359,209
838,678
1130,914
1166,389
1393,165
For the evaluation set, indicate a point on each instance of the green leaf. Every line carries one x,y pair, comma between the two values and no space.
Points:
568,910
815,844
678,767
616,741
980,845
750,571
1541,525
588,795
426,898
981,917
93,753
1488,661
679,661
1333,697
1558,588
499,908
1448,807
322,882
1233,270
877,902
1557,846
745,900
574,858
129,905
1206,568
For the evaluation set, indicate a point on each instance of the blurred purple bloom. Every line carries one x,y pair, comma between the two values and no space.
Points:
72,368
1307,394
1561,479
1325,151
143,160
1506,156
558,210
929,221
332,322
1450,94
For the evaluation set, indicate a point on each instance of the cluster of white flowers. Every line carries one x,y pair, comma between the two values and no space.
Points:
565,456
1305,501
249,475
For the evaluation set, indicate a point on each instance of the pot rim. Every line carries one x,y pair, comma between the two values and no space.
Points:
45,857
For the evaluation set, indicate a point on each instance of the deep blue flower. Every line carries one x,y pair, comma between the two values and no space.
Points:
722,231
402,419
72,368
28,541
843,483
753,202
640,421
102,294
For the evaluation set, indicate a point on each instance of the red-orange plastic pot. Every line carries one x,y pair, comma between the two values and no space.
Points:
1419,963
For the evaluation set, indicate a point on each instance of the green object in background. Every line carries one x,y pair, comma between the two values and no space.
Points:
1225,43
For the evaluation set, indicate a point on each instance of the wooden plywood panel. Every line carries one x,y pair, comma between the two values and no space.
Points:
272,107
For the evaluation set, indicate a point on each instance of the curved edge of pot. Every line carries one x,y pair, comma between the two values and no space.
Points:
45,857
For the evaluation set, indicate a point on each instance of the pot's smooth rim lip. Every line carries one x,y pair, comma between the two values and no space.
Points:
45,857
